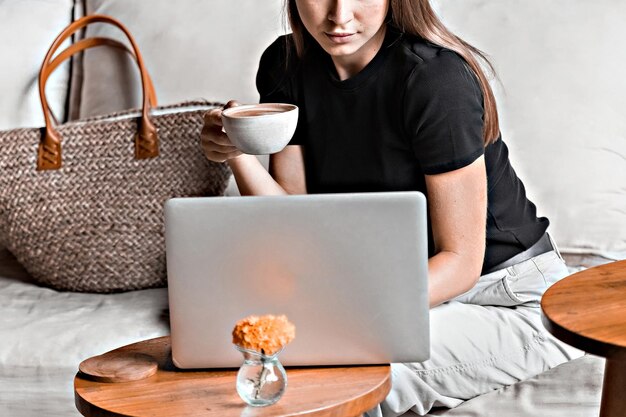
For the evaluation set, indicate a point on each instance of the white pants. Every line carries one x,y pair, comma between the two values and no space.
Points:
485,339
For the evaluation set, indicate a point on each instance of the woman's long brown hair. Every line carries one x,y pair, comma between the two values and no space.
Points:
416,17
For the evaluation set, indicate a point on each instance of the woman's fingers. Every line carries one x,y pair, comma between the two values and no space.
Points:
217,156
211,145
232,103
213,118
211,134
216,145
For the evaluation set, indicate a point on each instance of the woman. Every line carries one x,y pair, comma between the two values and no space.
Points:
390,100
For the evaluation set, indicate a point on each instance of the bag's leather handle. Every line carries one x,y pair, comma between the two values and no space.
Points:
146,140
92,43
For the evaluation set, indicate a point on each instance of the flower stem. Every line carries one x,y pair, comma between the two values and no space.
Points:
260,381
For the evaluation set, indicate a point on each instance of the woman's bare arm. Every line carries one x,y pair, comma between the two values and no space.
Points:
286,173
285,176
457,202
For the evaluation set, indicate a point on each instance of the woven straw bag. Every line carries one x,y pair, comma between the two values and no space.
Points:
81,204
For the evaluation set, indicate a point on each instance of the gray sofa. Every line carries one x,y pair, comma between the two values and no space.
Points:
562,106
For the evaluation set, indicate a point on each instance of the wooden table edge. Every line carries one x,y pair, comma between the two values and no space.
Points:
589,345
376,395
594,346
88,409
365,400
382,390
613,401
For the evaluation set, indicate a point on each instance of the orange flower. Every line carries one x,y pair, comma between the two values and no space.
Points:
266,334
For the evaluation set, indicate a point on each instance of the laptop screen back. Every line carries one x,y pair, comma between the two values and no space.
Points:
349,270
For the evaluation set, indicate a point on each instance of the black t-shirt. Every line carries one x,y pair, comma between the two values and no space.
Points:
415,109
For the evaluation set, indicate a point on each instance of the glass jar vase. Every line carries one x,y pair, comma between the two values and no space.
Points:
261,379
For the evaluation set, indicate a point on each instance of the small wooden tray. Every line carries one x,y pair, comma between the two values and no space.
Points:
119,367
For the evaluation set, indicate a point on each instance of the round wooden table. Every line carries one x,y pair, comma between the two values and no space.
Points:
324,391
588,310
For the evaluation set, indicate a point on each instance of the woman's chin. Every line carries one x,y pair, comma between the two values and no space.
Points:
339,50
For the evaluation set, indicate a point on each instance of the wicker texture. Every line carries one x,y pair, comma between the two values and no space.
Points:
96,224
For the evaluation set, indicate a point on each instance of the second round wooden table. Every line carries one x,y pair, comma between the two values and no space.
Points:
588,310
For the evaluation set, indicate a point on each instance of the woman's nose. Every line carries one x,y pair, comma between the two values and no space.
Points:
341,12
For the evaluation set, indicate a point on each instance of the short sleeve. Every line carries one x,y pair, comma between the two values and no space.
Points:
443,113
275,79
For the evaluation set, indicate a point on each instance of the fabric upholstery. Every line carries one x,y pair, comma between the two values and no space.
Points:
562,108
571,389
45,335
27,29
198,49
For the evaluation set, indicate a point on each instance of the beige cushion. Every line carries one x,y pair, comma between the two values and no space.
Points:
27,29
195,49
199,49
562,109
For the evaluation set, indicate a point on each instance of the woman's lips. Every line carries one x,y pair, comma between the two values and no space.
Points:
339,37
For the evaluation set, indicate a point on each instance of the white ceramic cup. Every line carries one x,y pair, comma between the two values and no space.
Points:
260,129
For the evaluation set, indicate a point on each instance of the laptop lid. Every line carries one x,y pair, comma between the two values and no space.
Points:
349,270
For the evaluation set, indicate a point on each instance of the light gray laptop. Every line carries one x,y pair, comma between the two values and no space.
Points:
349,270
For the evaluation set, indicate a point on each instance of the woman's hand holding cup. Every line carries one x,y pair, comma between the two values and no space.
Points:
216,145
255,129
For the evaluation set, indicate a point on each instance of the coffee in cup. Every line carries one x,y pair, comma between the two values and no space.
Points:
260,129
